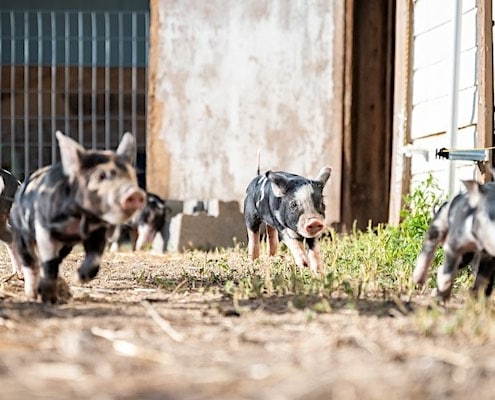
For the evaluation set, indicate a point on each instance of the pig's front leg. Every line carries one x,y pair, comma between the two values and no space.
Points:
253,244
434,236
145,236
447,272
48,282
296,247
31,275
314,255
94,247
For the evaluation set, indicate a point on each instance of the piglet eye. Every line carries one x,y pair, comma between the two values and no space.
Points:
107,175
293,204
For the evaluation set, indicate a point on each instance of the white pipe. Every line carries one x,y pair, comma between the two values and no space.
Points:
454,88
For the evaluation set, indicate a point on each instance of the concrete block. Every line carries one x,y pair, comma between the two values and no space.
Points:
200,230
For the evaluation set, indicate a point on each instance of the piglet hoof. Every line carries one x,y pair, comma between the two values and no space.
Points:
88,273
31,295
441,295
48,291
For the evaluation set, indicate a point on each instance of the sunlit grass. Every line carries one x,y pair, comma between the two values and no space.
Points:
371,265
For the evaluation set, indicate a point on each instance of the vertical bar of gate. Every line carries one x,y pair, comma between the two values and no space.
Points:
107,80
79,75
26,93
134,72
13,95
93,81
39,16
66,73
121,77
53,70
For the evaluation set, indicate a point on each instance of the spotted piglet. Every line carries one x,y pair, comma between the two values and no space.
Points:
8,187
74,201
143,227
291,206
465,226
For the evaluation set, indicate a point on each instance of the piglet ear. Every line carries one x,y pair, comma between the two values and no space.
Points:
324,175
279,183
127,147
473,192
70,154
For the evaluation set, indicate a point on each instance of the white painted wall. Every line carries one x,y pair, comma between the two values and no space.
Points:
432,45
235,77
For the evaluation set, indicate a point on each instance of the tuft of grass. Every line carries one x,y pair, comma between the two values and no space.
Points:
474,319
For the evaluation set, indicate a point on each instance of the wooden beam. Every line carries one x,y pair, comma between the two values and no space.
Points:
401,166
339,53
484,137
346,209
157,158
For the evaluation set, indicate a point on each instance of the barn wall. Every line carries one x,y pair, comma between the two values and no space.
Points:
231,78
432,46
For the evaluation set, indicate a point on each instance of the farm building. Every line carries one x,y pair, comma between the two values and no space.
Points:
372,88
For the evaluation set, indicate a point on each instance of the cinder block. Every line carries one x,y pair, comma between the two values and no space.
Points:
204,231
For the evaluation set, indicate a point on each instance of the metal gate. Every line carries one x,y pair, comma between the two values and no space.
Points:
81,72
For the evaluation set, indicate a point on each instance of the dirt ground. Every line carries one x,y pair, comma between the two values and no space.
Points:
118,339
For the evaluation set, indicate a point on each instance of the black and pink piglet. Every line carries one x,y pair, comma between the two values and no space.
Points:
293,208
74,201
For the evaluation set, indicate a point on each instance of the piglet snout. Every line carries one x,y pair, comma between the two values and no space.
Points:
133,200
313,226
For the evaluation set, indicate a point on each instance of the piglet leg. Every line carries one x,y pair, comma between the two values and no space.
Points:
296,247
253,244
94,246
447,272
314,256
434,236
272,234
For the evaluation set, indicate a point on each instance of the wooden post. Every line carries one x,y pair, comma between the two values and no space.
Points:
346,210
401,165
484,137
157,158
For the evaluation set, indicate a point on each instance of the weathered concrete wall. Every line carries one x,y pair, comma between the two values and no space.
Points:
229,78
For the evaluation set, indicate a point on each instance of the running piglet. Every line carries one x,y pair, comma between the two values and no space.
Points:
74,201
292,207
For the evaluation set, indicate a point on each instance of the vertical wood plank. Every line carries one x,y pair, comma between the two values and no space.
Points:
484,138
401,165
347,115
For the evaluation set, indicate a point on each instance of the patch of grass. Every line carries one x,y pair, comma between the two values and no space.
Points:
474,319
374,264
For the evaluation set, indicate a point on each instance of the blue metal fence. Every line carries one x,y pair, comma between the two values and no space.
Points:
81,72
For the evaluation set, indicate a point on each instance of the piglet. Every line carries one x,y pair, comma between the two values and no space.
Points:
143,227
8,187
73,201
465,226
291,206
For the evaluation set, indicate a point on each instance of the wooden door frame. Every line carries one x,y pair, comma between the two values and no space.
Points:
350,115
400,178
484,137
401,165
